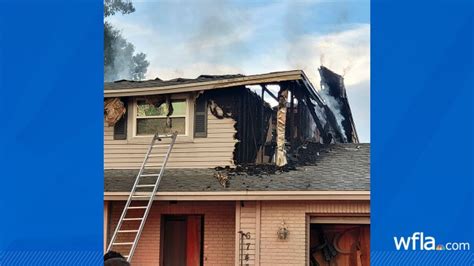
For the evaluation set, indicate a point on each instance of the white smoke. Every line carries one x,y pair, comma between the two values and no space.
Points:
121,66
335,107
346,52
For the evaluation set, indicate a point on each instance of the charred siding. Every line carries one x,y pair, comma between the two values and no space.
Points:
335,85
243,106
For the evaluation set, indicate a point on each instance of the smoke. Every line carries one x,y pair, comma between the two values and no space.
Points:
120,59
319,112
121,64
219,32
335,107
347,68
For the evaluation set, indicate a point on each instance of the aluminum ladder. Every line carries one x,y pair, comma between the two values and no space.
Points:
142,181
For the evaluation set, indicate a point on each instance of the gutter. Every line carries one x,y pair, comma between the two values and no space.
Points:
248,195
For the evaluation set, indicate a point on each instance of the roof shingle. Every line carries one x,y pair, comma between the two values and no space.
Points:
340,167
129,84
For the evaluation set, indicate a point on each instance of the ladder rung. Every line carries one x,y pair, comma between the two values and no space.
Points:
150,185
137,207
123,244
133,219
149,175
165,137
128,231
156,155
153,165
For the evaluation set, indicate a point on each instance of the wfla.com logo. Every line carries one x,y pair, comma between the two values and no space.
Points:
418,241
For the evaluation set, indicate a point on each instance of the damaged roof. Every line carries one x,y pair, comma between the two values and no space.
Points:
122,88
128,84
340,167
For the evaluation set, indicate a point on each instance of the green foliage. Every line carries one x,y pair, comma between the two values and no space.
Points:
140,66
111,7
120,59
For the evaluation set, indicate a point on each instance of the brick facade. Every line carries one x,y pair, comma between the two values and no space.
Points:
262,219
219,230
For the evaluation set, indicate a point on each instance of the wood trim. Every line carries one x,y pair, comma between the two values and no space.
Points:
307,238
197,86
251,195
237,229
340,219
189,117
106,223
258,209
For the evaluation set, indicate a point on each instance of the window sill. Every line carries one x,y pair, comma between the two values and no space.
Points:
147,140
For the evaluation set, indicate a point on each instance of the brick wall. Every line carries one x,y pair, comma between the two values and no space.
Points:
262,219
219,230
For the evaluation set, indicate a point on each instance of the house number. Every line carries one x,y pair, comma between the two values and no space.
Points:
244,256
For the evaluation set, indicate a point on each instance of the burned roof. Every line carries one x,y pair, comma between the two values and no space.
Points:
339,167
130,84
125,88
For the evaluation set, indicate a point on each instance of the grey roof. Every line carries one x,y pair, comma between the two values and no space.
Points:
339,167
130,84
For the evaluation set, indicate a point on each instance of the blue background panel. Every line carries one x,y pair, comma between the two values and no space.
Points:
51,157
422,128
51,137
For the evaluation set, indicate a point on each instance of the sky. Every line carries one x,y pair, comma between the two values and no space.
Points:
189,38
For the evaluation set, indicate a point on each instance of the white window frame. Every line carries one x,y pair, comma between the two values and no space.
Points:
187,116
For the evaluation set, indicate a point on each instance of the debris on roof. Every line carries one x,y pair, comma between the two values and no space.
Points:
157,82
222,177
339,167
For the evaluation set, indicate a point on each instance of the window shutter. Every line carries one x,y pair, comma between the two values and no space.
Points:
200,117
120,128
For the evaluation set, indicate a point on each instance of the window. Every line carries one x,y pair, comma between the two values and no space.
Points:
150,119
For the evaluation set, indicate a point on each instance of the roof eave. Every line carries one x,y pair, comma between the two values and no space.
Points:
249,195
217,84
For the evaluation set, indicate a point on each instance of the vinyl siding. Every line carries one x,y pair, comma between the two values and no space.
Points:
248,224
214,150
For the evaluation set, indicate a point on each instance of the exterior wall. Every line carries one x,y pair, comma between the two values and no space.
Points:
266,247
247,217
219,230
188,152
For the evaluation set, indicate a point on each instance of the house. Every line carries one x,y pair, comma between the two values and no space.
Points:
266,170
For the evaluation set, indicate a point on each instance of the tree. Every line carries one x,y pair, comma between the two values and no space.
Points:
117,6
120,59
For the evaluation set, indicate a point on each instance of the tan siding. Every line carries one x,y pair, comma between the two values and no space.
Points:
248,224
215,150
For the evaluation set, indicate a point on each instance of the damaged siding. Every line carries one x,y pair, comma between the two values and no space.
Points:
214,150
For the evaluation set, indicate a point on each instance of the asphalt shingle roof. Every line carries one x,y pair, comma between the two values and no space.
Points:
130,84
339,167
